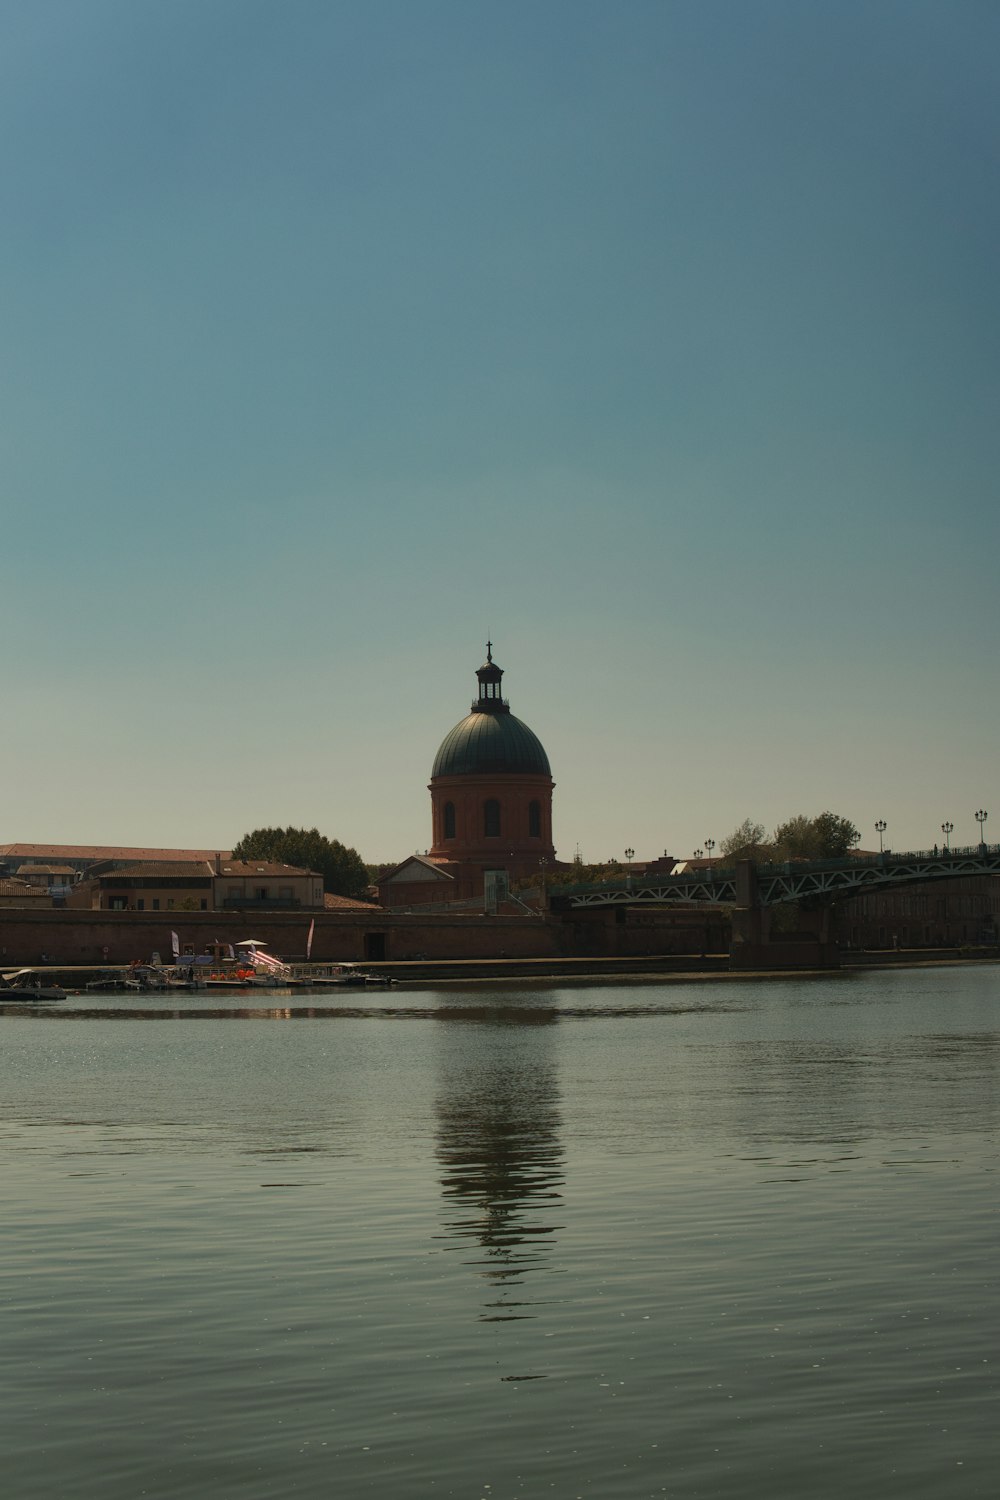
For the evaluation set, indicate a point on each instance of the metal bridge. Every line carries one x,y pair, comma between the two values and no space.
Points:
792,881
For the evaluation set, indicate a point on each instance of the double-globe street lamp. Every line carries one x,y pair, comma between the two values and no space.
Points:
880,827
710,845
981,817
946,829
629,857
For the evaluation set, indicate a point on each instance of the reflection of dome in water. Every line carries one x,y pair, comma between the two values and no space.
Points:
499,1125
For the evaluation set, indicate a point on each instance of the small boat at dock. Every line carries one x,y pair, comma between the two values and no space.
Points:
327,976
28,984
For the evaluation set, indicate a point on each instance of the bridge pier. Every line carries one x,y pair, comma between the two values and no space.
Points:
753,946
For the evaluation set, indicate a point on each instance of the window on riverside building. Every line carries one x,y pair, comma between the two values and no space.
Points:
534,820
491,818
449,820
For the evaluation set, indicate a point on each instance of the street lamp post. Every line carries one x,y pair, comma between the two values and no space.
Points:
880,829
629,857
981,817
709,845
699,854
946,829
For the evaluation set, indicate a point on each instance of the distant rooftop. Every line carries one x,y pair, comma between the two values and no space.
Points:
95,853
200,868
194,868
345,903
21,888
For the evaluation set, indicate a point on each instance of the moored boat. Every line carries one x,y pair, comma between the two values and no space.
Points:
327,976
28,984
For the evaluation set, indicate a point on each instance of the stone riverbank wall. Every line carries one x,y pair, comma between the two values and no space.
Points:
95,937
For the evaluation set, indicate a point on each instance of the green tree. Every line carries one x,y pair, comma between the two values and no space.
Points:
837,836
827,836
343,870
795,839
745,842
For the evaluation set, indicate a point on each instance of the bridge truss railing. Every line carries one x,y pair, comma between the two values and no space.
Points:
792,880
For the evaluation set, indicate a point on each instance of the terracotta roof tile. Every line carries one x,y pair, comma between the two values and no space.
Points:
97,852
440,867
22,888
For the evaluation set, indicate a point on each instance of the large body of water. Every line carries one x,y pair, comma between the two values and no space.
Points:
708,1239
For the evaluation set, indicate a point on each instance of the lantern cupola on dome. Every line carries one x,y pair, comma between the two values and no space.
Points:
490,740
489,674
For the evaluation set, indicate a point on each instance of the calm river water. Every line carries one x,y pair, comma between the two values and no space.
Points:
707,1239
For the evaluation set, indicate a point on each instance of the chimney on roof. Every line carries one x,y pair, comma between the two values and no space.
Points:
218,863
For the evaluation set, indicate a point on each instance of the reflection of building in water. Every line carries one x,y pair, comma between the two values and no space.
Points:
498,1144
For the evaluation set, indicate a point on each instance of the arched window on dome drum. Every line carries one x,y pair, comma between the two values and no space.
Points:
491,818
534,820
449,820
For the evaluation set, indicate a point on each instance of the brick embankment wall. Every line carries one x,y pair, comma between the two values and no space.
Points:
95,937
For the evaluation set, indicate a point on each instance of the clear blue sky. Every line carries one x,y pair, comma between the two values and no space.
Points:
657,340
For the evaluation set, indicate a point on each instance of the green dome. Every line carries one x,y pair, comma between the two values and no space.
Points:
491,744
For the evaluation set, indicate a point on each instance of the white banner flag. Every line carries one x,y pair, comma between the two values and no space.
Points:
309,939
175,945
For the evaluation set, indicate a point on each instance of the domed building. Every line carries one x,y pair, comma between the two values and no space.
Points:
491,786
491,806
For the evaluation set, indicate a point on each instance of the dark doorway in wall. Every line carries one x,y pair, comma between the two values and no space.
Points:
375,947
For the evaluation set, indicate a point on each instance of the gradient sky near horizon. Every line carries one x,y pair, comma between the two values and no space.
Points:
656,340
